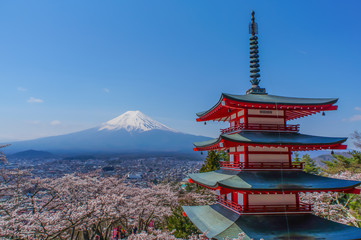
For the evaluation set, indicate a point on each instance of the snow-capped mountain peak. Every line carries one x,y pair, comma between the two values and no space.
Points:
133,121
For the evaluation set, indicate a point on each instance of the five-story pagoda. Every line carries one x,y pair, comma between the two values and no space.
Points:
258,188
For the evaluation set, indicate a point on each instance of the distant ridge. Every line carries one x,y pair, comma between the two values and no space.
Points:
131,132
32,154
328,157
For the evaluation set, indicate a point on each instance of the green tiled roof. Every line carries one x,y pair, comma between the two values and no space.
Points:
273,138
270,180
220,223
272,99
206,143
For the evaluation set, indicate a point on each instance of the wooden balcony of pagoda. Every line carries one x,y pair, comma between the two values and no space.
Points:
256,209
262,127
262,165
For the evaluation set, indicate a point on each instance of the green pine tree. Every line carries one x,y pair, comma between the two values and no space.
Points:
341,163
182,225
309,165
212,160
296,157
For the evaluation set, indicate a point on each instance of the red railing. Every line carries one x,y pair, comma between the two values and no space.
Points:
238,208
225,164
262,165
302,207
264,127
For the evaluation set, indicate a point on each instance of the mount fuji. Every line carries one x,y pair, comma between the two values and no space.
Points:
133,121
131,132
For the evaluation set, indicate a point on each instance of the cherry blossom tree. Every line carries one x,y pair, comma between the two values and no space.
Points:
77,206
87,207
2,155
336,206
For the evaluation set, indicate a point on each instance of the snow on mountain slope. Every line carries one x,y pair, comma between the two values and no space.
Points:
133,121
131,132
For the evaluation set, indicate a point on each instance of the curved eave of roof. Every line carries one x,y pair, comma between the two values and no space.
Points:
207,143
271,181
271,99
281,138
219,222
271,138
200,114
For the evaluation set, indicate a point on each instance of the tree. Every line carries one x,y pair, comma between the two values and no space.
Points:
156,235
340,163
296,157
309,165
338,207
356,136
182,226
77,206
212,160
2,155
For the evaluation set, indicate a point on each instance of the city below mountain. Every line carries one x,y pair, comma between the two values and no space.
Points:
131,132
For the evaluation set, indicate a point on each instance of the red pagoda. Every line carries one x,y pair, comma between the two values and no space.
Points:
258,188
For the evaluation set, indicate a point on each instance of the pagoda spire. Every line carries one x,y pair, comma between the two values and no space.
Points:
253,30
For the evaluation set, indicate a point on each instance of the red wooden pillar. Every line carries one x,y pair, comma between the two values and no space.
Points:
236,157
297,200
234,197
289,156
284,118
245,156
245,201
245,118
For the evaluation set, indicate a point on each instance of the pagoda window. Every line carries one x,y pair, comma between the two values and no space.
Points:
241,157
272,199
241,120
240,148
240,113
240,199
231,158
229,196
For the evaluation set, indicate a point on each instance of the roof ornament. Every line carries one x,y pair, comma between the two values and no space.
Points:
253,30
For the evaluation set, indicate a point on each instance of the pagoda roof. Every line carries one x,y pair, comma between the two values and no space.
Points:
219,222
300,106
273,99
268,138
268,181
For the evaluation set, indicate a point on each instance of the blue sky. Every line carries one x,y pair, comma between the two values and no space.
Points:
70,65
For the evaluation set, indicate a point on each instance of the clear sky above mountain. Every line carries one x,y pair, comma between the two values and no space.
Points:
71,65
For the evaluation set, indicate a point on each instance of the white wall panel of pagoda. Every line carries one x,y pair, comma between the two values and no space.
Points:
272,199
268,158
253,154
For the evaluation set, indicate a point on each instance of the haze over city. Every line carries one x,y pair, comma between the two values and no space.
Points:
67,66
